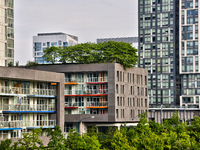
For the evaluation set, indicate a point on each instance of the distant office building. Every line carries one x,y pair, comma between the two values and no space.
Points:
44,40
6,32
133,40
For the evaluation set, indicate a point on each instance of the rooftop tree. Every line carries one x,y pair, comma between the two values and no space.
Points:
107,52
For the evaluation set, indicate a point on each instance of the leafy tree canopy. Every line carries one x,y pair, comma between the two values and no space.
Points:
107,52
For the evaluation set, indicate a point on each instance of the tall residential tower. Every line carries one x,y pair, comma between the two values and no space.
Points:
6,32
168,48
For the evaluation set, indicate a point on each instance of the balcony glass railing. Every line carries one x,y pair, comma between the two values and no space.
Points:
77,92
74,80
97,104
37,123
19,90
27,107
71,104
10,124
27,123
97,79
43,92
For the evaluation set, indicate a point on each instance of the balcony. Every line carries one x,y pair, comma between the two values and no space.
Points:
5,90
10,90
9,124
20,108
89,92
71,105
97,105
73,80
38,123
97,80
27,123
44,92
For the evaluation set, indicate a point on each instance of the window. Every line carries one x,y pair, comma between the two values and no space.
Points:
117,114
68,127
116,88
59,43
120,76
128,77
117,75
131,90
44,44
138,90
117,101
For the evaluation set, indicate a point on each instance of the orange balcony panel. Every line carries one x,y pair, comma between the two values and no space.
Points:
71,83
87,95
53,83
97,107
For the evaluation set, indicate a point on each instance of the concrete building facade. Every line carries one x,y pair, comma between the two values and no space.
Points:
44,40
6,32
30,99
102,94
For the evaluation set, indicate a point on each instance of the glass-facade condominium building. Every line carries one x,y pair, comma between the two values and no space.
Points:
6,32
168,48
157,49
44,40
188,52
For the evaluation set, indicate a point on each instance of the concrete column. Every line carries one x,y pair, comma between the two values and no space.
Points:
60,117
81,128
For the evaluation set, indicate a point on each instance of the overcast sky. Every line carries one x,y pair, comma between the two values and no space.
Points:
87,19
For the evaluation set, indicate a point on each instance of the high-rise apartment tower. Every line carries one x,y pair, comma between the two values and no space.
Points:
6,32
168,48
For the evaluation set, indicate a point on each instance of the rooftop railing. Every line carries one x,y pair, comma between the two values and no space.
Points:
28,107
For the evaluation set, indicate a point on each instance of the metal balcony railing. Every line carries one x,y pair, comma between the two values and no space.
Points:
97,79
77,92
97,104
27,107
19,90
37,123
71,104
50,92
74,80
27,123
10,124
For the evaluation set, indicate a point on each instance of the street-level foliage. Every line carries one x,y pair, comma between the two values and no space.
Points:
172,134
107,52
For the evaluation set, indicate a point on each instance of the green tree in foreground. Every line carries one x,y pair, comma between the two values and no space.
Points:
30,141
107,52
57,140
6,145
